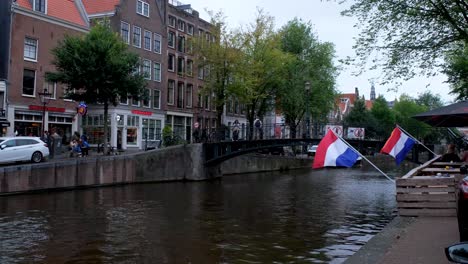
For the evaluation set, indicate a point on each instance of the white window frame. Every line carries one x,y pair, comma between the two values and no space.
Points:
52,89
189,68
159,98
181,25
34,88
45,6
144,11
173,39
126,40
172,21
146,69
157,77
173,62
137,102
190,29
157,38
169,95
189,99
149,100
36,46
150,34
136,28
126,101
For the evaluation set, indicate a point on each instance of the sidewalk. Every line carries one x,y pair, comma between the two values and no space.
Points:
410,240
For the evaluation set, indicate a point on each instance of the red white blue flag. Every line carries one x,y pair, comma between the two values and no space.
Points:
332,151
398,145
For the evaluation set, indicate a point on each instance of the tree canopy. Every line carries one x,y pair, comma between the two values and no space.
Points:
406,38
97,68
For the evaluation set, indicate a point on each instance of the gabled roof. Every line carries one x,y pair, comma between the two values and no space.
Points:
66,10
100,6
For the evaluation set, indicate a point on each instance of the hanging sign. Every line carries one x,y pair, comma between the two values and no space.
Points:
82,109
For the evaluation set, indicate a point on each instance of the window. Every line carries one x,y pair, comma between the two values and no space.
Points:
147,40
125,32
157,43
188,95
200,32
200,72
189,68
137,36
181,25
171,62
170,92
124,100
52,89
171,39
181,44
147,98
206,101
181,65
190,29
156,99
39,6
180,95
147,69
29,82
189,46
30,49
135,101
157,71
172,21
200,97
142,8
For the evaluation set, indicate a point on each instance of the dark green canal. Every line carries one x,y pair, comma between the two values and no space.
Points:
294,217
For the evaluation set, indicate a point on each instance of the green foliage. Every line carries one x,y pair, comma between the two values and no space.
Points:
457,72
384,117
429,100
405,108
359,116
97,68
167,136
310,61
406,38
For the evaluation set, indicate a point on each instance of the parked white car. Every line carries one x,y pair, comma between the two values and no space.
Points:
22,149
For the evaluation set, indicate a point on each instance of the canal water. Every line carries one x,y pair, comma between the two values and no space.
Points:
291,217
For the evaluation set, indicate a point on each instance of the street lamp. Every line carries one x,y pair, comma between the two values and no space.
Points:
307,88
45,97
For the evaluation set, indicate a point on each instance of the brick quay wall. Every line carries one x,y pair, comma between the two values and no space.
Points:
179,163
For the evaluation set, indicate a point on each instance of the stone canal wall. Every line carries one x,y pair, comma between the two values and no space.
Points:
177,163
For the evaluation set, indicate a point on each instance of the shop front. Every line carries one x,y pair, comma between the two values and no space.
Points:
127,128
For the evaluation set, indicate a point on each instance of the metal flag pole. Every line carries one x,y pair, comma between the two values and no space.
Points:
362,156
419,142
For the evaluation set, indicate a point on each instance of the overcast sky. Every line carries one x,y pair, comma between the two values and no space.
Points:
330,26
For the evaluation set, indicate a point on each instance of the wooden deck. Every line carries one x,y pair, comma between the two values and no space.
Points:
429,190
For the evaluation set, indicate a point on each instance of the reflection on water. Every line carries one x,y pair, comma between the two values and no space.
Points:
296,217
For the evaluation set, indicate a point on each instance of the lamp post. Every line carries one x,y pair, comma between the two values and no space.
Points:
307,89
45,96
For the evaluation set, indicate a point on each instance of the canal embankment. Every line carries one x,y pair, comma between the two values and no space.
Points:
178,163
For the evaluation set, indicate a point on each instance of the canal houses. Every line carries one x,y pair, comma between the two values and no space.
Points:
31,30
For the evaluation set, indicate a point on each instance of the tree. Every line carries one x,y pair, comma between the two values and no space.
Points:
384,116
262,68
220,56
457,72
311,61
359,116
97,68
406,38
405,108
429,100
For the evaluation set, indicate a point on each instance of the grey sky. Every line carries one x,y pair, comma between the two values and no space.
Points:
330,26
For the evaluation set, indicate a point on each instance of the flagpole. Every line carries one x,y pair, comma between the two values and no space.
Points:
419,142
362,156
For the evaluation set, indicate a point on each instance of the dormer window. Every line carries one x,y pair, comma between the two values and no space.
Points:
39,6
142,8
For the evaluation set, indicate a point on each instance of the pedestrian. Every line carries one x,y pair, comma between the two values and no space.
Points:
75,149
451,154
84,145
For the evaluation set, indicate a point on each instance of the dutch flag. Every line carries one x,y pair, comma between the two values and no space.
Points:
398,145
332,151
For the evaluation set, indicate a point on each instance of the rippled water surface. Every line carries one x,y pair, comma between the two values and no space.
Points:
295,217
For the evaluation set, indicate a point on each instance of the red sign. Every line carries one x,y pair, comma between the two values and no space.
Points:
139,112
49,109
